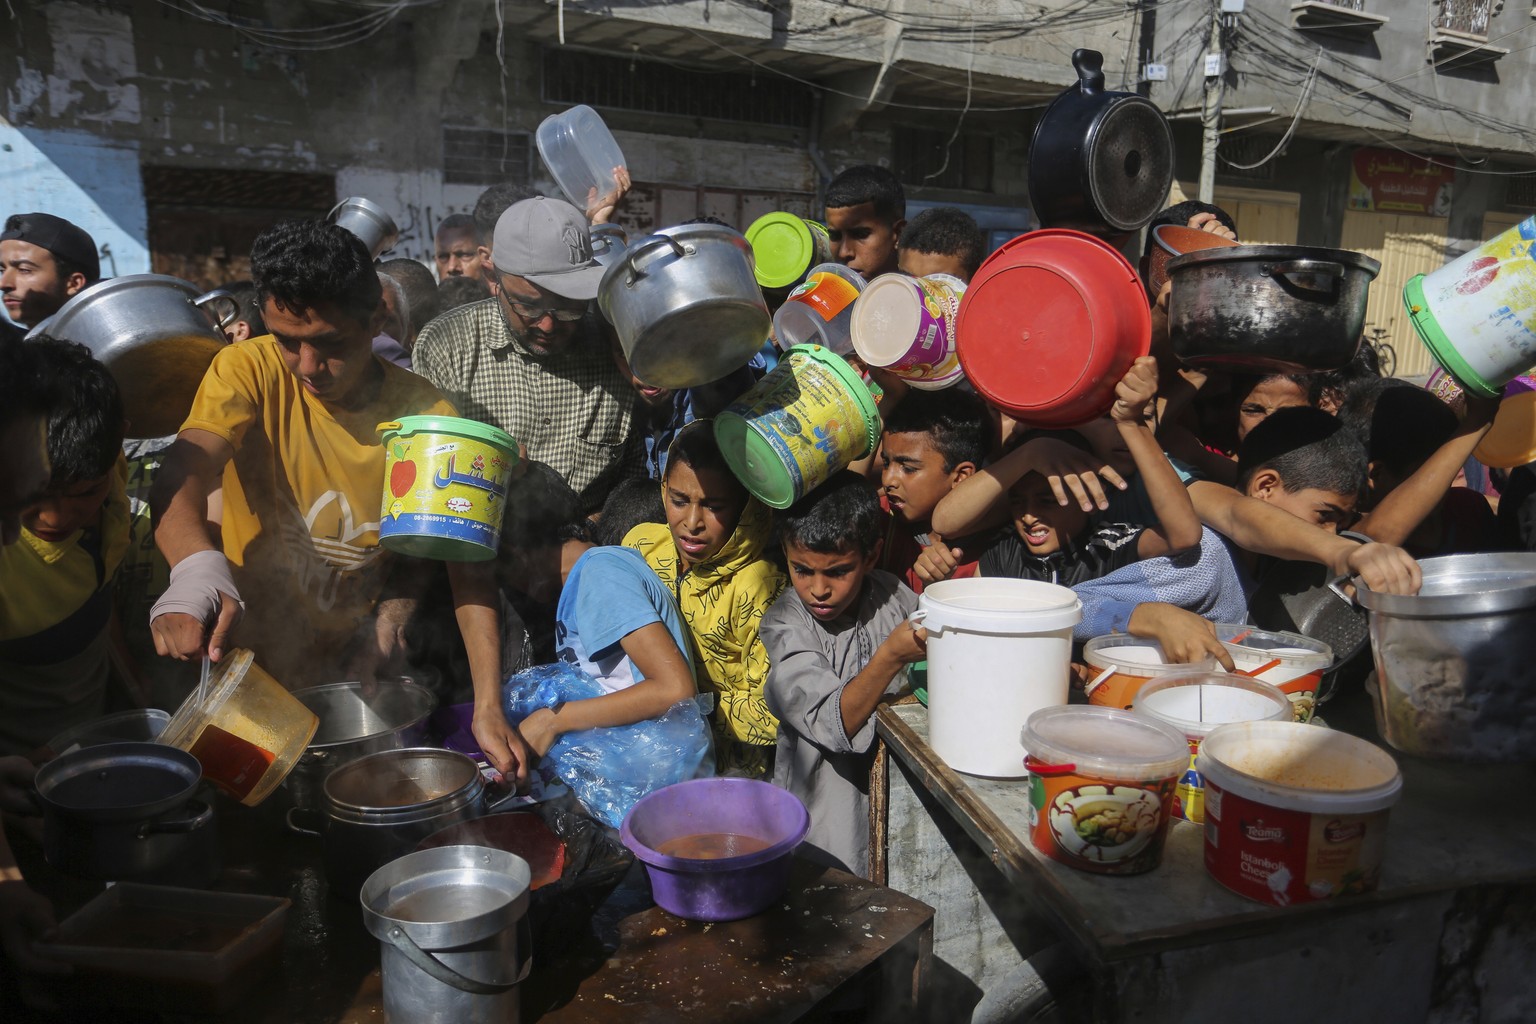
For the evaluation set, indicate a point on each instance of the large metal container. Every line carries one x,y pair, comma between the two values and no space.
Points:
452,925
1456,663
149,332
1277,308
686,305
354,725
125,811
380,806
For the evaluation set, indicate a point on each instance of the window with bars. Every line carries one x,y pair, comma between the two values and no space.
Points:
925,157
1468,17
656,87
484,156
1520,191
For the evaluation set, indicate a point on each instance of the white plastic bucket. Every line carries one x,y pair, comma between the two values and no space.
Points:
1295,813
1195,703
1477,314
998,651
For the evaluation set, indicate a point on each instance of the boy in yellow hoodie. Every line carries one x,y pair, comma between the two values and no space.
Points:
710,555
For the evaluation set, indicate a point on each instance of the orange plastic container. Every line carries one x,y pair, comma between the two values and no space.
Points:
247,730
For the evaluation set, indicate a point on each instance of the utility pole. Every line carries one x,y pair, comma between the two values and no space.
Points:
1210,115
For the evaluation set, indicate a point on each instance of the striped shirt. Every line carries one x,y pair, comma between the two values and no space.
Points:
572,409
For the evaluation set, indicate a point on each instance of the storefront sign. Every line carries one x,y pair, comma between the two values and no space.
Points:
1388,180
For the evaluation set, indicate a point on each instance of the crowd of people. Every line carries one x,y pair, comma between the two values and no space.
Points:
630,550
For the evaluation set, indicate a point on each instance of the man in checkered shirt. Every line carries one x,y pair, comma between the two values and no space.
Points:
533,360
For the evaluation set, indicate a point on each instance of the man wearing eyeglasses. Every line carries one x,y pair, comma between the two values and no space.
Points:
533,360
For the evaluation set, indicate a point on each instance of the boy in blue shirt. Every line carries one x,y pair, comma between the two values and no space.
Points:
614,618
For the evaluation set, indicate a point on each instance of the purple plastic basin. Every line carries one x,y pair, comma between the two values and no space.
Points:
723,888
451,724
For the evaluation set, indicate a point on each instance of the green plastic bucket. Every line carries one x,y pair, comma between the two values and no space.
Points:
445,487
786,247
805,421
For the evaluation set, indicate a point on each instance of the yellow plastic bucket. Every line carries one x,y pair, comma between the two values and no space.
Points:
805,421
445,487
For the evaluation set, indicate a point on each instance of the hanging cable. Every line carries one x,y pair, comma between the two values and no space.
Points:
1301,106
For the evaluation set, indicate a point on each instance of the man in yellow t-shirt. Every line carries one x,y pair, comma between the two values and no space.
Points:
289,423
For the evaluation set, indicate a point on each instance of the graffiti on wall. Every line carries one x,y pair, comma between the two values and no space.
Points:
94,71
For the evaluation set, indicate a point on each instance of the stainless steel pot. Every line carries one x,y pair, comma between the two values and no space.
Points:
1456,664
686,305
368,222
150,332
354,726
1281,308
454,934
608,243
1100,161
379,807
123,811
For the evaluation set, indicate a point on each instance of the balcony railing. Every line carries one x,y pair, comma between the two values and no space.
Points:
1466,17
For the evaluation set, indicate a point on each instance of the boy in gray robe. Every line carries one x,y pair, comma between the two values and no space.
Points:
838,643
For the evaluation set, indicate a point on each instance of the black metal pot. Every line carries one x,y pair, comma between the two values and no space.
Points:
1276,308
126,811
1100,161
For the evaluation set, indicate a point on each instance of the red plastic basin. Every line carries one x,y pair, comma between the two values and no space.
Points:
1049,325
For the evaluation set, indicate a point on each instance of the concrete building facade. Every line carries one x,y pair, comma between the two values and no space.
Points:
174,131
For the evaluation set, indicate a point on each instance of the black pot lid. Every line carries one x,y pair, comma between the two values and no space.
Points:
1130,162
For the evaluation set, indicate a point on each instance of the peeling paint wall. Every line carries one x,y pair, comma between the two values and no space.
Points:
78,176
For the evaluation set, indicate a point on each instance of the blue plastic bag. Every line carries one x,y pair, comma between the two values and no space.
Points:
610,769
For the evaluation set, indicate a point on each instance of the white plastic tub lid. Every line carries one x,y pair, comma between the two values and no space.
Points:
1136,655
999,606
1105,743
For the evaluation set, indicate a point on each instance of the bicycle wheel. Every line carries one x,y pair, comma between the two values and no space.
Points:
1386,358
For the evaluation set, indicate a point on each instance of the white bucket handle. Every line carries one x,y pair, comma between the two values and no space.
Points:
917,618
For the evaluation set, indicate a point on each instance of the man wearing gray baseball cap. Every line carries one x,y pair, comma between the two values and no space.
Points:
533,360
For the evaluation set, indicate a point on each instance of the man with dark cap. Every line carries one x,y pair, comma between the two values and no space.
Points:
535,362
43,261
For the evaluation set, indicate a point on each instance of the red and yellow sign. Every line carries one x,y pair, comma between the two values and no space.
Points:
1391,181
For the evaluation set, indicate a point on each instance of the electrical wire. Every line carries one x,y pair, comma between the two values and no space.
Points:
1301,106
949,146
311,39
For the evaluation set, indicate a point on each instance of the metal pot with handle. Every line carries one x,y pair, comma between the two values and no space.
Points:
1100,161
1276,308
353,725
124,811
368,221
379,807
686,305
151,333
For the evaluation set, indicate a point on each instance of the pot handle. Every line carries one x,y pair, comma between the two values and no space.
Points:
331,217
295,827
1327,268
419,957
646,247
180,825
1089,65
227,314
917,618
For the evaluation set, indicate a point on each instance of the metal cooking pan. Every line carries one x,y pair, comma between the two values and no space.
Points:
1100,161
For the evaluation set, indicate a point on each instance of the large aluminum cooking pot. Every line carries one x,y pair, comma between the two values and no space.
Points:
125,811
353,725
1456,663
380,806
1280,308
686,305
150,333
374,228
1100,161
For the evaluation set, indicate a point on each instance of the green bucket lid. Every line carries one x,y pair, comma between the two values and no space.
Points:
474,429
1439,343
757,463
782,249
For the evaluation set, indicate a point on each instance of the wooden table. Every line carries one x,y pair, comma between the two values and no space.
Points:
1449,934
833,942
